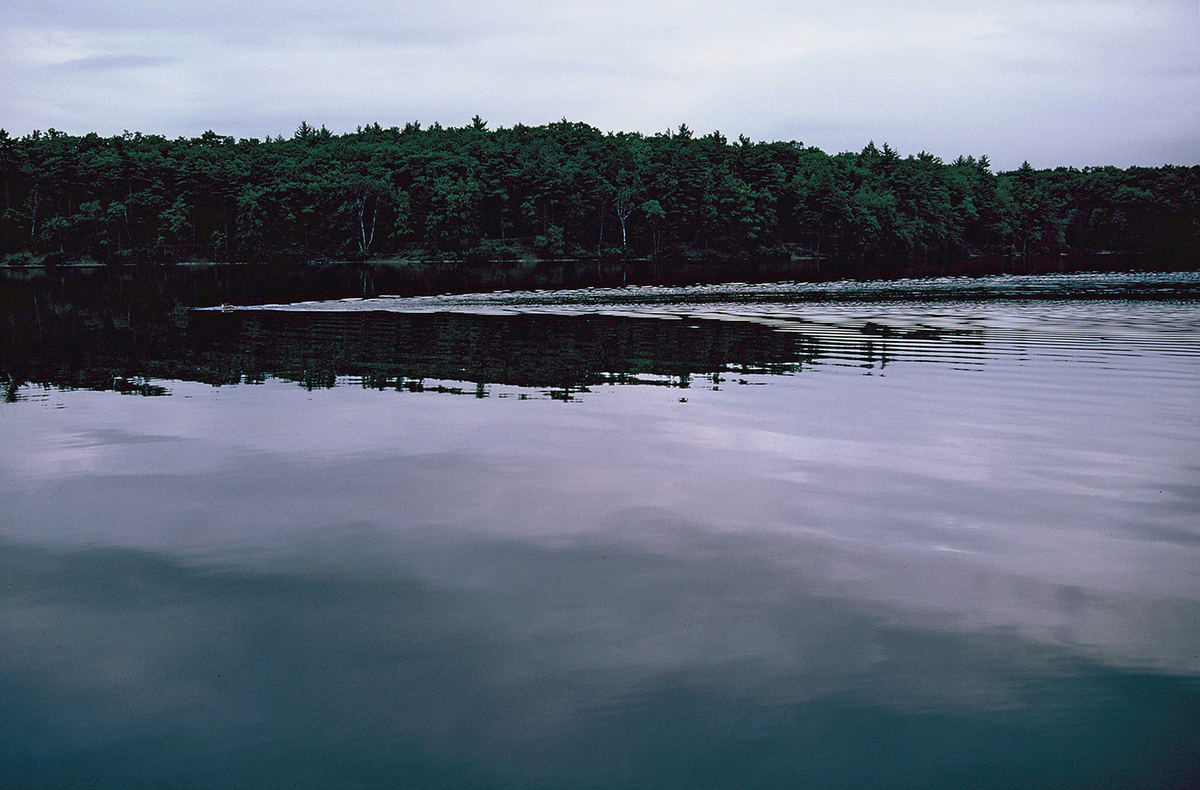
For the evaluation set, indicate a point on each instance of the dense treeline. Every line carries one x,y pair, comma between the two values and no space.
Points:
561,190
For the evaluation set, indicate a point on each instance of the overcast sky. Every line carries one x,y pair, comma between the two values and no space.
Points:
1057,82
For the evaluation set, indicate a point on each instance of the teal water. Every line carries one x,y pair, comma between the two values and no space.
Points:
931,534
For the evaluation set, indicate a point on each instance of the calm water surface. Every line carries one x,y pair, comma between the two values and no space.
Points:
699,537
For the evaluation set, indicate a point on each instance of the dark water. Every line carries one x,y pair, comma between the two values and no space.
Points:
928,534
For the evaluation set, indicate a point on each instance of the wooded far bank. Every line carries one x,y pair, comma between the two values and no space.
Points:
562,190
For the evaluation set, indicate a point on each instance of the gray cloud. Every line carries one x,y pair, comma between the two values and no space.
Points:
115,62
1076,83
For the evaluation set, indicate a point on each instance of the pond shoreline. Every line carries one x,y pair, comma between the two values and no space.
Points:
241,282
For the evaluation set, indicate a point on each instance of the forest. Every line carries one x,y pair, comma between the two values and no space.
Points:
559,191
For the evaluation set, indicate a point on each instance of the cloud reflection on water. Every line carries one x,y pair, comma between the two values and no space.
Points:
505,662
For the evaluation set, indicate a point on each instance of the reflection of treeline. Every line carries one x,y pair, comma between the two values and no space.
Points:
110,330
388,350
565,189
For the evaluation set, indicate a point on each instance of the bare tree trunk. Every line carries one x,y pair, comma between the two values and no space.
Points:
365,239
33,215
623,212
128,200
600,241
362,231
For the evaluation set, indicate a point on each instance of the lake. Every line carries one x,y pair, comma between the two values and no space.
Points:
926,533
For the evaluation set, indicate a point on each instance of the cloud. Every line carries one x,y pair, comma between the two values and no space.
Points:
1052,82
116,62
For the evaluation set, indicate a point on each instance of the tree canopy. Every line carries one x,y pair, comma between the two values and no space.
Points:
565,189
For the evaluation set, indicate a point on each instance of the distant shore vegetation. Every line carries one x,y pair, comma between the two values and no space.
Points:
563,190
